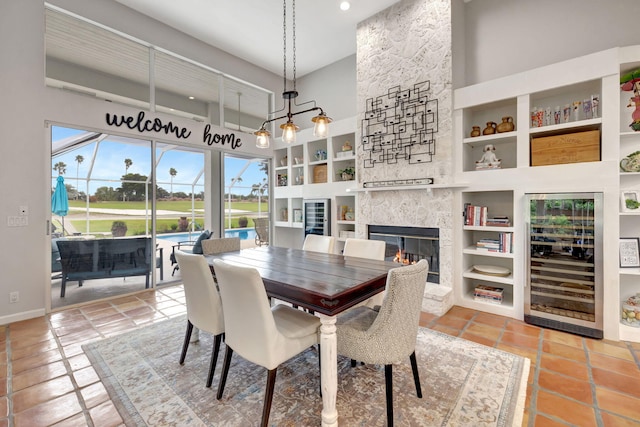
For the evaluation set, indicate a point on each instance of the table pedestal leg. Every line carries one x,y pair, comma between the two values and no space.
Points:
329,374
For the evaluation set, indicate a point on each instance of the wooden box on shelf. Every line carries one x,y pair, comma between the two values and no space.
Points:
319,174
576,147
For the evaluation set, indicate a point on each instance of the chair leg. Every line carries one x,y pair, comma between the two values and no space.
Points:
268,396
214,358
416,377
320,368
353,363
225,370
185,345
388,374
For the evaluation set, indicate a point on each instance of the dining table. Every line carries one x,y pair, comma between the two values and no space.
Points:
325,284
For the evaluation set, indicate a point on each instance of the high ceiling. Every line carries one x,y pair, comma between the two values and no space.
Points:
252,29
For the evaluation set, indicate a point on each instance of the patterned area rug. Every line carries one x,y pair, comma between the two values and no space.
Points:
463,384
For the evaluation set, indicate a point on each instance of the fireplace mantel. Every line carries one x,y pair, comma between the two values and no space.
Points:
407,187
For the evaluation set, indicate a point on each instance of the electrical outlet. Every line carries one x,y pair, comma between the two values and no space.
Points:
14,297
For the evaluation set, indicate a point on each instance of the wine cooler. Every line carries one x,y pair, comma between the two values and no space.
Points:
564,262
316,216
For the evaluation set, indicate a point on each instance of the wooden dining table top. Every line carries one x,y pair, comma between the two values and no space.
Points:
324,283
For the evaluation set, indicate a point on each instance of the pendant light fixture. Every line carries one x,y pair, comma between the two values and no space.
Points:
289,129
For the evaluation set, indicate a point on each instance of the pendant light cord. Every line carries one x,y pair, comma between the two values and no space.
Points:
284,43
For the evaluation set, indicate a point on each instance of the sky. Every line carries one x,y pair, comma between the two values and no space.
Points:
110,166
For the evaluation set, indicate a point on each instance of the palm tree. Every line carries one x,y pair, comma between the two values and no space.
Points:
173,173
79,159
127,165
60,167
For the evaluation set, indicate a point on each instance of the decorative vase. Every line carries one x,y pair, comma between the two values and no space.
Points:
490,129
475,131
506,125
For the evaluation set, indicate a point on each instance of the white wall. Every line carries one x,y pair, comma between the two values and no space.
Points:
507,37
333,88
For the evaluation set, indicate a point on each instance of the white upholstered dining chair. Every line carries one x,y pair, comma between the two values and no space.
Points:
218,246
389,335
204,306
370,249
264,335
318,243
364,248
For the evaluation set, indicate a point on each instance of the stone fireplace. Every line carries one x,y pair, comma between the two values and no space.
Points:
408,245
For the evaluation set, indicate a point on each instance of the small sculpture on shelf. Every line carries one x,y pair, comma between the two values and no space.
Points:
489,160
347,146
475,131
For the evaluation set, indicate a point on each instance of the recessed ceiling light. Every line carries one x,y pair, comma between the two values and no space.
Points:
192,97
345,5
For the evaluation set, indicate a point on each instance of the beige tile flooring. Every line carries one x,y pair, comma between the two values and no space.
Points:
45,379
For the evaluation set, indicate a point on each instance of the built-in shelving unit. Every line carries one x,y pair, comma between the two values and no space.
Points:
313,168
549,88
629,278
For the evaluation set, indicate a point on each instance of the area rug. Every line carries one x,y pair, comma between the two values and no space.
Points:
463,384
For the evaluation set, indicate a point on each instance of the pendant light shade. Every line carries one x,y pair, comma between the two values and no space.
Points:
321,127
289,130
262,138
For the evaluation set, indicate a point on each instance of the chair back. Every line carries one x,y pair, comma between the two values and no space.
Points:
396,325
204,306
250,327
262,231
218,246
318,243
363,248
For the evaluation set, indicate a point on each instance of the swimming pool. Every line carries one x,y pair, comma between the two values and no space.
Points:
243,233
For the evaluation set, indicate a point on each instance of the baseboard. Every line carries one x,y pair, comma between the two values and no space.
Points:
17,317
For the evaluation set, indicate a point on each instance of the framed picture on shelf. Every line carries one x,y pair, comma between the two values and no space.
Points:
630,201
297,215
629,252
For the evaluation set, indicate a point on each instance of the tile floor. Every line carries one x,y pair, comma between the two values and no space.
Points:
45,379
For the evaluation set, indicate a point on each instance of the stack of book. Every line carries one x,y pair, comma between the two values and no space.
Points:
488,294
498,221
503,244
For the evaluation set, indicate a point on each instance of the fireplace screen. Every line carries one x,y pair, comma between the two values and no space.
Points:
408,245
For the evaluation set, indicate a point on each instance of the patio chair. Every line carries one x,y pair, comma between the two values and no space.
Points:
262,231
189,247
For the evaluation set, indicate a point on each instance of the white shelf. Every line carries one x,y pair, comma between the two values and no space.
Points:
471,250
566,126
505,280
630,271
488,228
407,187
629,333
494,138
345,222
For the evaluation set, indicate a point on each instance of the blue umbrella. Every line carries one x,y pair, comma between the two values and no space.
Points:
60,200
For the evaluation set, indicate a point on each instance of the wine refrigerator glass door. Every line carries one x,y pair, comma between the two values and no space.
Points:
564,265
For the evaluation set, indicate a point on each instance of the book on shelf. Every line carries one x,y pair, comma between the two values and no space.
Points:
475,215
488,294
503,244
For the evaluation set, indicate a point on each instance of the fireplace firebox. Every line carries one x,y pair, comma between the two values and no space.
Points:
408,245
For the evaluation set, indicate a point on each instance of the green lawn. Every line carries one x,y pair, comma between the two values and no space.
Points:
179,205
136,226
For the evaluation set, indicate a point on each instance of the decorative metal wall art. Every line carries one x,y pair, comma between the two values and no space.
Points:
400,126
